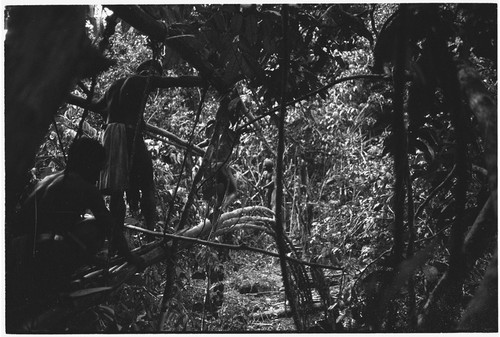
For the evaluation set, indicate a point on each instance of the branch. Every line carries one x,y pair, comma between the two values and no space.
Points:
254,219
164,82
229,246
141,21
372,19
176,140
82,86
264,211
245,225
358,276
434,192
312,93
480,170
482,232
158,31
152,253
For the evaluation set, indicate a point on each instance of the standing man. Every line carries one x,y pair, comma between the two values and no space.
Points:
128,164
267,181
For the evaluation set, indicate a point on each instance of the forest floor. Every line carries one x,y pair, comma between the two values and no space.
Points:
254,296
266,299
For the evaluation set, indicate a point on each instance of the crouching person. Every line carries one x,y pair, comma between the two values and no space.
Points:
55,237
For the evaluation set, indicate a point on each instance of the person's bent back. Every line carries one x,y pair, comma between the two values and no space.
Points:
59,234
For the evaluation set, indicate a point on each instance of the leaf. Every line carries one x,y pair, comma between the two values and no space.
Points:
232,66
90,291
89,130
236,23
233,105
268,39
251,28
220,23
171,14
189,40
405,270
69,134
211,37
426,148
272,14
125,27
269,44
251,68
106,310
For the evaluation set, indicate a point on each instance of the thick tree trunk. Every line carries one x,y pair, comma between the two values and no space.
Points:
443,302
485,109
482,312
442,310
46,49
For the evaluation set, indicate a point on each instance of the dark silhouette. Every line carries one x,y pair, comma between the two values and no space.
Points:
128,165
56,234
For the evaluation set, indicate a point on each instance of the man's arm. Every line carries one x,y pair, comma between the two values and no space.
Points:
98,106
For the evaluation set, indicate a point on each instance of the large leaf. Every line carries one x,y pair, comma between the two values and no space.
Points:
90,291
250,24
236,23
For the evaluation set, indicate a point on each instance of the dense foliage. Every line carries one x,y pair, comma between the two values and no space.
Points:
341,148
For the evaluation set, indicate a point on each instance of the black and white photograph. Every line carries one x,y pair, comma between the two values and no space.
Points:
250,168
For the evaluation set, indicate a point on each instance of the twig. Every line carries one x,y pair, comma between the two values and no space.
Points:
435,234
60,139
179,142
372,19
434,192
369,264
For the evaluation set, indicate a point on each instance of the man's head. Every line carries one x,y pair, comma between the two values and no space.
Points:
86,156
268,164
150,67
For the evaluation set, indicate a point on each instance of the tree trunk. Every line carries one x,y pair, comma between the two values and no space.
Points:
482,312
485,109
46,49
